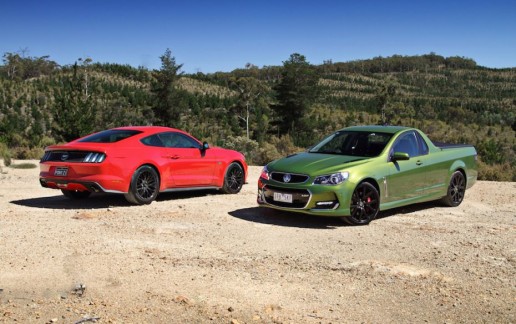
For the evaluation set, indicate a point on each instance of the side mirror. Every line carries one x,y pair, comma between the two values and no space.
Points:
400,156
205,146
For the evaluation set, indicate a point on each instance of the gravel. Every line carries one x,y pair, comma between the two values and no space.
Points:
206,257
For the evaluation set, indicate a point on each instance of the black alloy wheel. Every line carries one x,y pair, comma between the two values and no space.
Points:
456,190
144,186
234,179
365,204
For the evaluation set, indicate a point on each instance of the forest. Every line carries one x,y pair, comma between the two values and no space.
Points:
264,112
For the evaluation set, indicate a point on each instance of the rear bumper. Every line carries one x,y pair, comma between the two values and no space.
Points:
75,185
84,177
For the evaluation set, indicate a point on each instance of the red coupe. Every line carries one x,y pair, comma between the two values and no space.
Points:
140,162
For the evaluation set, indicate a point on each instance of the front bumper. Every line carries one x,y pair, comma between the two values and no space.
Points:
321,200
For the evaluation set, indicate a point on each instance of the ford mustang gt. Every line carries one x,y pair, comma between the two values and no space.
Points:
358,171
140,162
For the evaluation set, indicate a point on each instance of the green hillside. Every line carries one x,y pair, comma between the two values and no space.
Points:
283,108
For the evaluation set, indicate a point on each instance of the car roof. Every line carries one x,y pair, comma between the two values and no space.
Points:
377,128
150,129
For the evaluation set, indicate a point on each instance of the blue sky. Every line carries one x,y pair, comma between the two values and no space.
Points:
220,35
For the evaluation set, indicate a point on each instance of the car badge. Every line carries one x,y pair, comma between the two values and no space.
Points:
64,156
287,177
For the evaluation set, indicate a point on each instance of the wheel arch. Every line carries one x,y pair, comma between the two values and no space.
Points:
149,164
458,165
451,198
354,184
371,181
241,165
463,171
361,206
225,187
225,170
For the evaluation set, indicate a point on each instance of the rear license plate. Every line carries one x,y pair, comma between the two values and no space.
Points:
61,172
283,197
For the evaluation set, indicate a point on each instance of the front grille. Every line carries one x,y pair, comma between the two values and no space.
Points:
300,197
73,156
294,178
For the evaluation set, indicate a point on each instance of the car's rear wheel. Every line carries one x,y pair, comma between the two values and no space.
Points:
74,194
365,204
144,186
456,190
234,179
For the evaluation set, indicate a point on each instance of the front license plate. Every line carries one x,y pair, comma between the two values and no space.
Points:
61,172
283,197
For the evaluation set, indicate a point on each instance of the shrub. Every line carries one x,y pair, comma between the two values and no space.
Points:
25,153
5,154
285,145
24,166
265,154
496,172
243,145
46,141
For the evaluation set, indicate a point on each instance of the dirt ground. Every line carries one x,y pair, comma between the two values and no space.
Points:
210,258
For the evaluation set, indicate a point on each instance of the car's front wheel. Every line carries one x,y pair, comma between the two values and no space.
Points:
74,194
456,190
234,179
365,204
144,186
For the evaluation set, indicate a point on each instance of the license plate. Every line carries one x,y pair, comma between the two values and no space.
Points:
61,172
283,197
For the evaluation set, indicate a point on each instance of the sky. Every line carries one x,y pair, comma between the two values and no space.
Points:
220,35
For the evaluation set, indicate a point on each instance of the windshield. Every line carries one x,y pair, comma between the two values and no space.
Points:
110,136
367,144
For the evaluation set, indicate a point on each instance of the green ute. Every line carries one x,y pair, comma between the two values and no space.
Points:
358,171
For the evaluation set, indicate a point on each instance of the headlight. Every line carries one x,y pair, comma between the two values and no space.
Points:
265,173
332,179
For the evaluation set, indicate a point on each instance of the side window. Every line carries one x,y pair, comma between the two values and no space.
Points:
423,147
178,140
407,143
153,140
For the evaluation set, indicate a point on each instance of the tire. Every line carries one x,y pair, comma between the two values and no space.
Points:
73,194
234,179
365,204
456,190
144,186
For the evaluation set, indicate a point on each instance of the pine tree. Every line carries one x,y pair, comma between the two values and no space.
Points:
169,100
296,91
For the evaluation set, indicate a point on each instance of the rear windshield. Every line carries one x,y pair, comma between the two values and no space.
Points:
110,136
367,144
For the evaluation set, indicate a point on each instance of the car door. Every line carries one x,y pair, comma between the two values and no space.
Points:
188,164
434,172
407,178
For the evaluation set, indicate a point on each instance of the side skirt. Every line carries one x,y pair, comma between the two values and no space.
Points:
190,189
410,201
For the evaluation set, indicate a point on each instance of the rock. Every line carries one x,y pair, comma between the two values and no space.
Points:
183,300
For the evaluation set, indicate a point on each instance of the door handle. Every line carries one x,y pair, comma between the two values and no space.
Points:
173,157
419,163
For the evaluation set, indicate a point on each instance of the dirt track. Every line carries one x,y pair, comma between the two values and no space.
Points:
211,258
